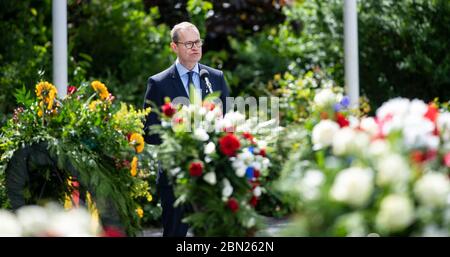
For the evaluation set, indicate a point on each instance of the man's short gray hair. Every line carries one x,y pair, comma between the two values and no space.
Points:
183,25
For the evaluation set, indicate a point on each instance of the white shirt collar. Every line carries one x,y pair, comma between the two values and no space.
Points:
182,70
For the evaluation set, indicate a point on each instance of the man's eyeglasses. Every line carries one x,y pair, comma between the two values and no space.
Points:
190,44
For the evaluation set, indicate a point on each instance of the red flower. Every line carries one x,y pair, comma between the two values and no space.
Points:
196,169
71,90
233,205
417,156
447,159
432,112
111,231
262,152
249,137
209,106
229,144
254,201
341,120
168,109
256,173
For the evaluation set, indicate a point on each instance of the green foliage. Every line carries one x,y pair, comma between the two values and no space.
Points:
88,131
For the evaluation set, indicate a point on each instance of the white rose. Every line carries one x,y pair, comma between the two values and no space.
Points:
396,213
210,116
257,191
353,186
325,98
433,189
323,133
210,178
34,219
309,186
378,148
175,171
348,141
9,225
227,189
200,134
443,124
392,170
210,148
369,125
74,223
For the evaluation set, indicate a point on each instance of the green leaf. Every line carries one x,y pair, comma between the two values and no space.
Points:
23,96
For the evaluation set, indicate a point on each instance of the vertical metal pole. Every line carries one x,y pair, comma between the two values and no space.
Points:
351,51
59,26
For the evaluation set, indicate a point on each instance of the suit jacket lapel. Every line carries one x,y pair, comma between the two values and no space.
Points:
177,84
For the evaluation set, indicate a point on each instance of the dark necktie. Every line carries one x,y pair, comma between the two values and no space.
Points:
190,81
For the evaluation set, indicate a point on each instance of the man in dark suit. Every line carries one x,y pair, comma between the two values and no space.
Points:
173,83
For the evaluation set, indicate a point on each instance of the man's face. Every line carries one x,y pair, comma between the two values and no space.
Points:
185,55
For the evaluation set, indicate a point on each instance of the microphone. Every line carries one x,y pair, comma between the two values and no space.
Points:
204,74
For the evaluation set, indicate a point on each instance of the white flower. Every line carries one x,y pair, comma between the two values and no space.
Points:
353,186
396,213
378,148
323,133
309,185
210,116
257,191
392,170
324,98
239,167
227,189
73,223
34,219
202,111
200,134
348,141
9,225
443,124
433,189
394,107
369,125
210,177
175,171
210,148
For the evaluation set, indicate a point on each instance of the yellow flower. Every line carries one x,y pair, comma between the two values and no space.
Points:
93,104
47,92
137,141
277,77
140,212
134,164
149,197
101,89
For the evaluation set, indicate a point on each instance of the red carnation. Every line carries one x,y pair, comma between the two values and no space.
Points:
229,144
341,120
417,156
111,231
71,90
447,159
256,173
233,205
168,109
249,137
432,112
209,106
262,152
254,201
196,169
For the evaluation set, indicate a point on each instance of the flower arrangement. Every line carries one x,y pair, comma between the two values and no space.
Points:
86,130
385,175
217,166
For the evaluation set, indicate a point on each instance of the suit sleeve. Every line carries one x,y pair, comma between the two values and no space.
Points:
154,100
224,92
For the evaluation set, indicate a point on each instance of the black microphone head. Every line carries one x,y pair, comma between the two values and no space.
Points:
204,74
